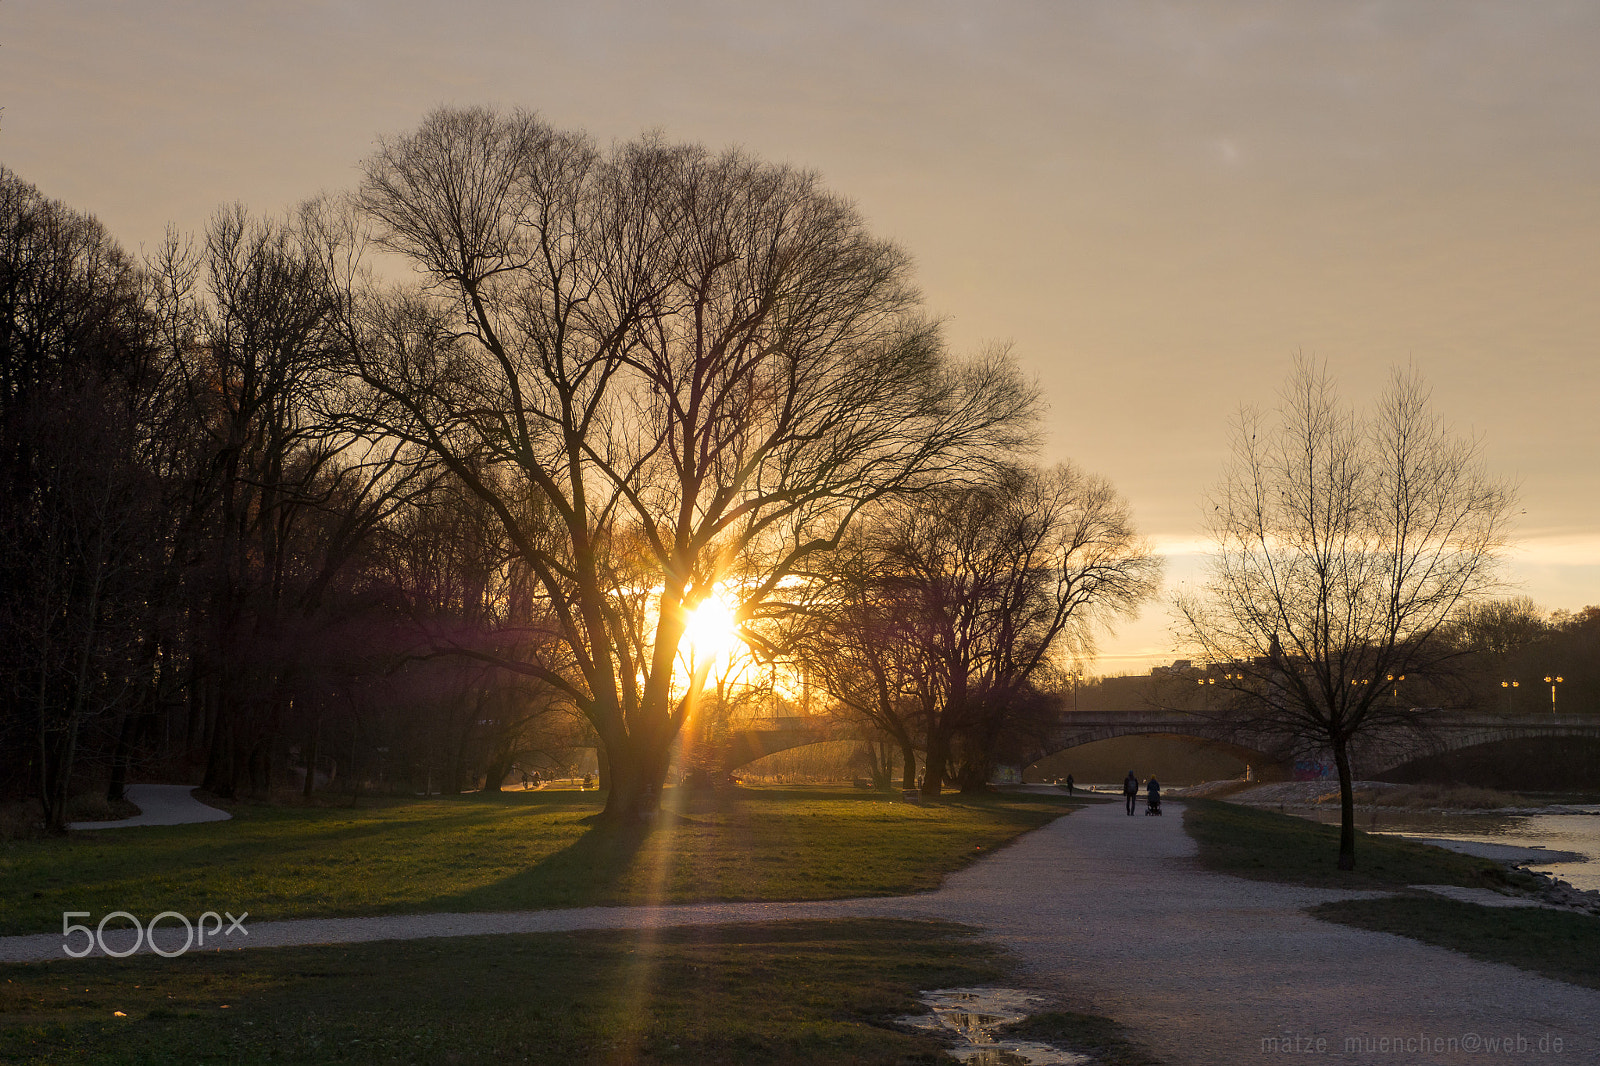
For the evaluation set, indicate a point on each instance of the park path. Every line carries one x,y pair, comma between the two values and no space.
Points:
1114,915
161,805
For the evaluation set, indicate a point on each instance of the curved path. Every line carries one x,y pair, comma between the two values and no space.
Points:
161,805
1114,915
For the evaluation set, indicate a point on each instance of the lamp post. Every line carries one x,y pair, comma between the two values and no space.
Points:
1394,693
1508,686
1553,681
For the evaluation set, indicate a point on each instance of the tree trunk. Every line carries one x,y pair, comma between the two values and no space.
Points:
1347,807
908,757
934,766
311,757
120,758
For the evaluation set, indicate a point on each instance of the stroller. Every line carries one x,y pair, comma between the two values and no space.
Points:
1152,804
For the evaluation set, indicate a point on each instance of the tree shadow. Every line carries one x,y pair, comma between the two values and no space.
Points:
601,868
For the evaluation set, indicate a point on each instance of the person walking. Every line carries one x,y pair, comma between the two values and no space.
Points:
1152,804
1130,791
1069,784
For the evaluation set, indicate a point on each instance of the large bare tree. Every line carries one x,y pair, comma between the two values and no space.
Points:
1344,546
696,365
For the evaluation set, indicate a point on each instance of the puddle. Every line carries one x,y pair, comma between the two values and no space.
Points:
973,1014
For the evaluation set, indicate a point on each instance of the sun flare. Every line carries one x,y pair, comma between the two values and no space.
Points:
712,631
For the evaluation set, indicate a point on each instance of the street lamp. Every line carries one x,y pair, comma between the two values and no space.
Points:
1508,686
1394,695
1553,681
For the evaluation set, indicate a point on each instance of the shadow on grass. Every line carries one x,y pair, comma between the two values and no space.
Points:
787,994
598,869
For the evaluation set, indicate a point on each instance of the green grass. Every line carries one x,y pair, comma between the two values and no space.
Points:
506,852
1266,846
1558,944
784,993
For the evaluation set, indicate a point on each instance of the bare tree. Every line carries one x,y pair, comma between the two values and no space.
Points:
698,364
1345,545
1013,578
969,599
857,636
282,491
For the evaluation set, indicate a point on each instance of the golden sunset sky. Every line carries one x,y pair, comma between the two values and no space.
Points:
1157,204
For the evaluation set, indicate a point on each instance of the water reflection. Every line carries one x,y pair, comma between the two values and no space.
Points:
973,1015
1567,835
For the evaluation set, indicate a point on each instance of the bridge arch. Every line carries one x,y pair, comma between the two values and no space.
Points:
768,736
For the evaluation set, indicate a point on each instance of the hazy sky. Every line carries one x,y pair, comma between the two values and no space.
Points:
1157,203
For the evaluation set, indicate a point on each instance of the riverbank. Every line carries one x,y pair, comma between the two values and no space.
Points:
1386,796
1556,844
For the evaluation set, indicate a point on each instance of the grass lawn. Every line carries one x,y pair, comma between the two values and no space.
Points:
512,851
1267,846
823,993
777,993
1558,944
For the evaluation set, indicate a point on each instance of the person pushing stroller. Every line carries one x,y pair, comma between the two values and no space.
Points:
1152,803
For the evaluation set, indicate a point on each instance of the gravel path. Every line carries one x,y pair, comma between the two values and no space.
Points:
1114,914
1203,968
161,805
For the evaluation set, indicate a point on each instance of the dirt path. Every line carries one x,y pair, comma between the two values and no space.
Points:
1114,914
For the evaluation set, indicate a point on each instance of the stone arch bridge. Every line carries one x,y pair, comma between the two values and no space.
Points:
1449,731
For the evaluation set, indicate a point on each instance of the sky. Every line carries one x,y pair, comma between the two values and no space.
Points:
1158,205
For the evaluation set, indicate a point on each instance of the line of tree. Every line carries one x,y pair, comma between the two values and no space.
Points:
1514,654
208,567
270,512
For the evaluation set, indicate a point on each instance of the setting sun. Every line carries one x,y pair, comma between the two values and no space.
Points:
713,628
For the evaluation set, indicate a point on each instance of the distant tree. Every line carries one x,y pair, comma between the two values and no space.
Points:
700,366
969,600
1345,548
856,636
1498,629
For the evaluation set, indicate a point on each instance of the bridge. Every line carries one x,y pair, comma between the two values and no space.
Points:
761,737
1446,731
